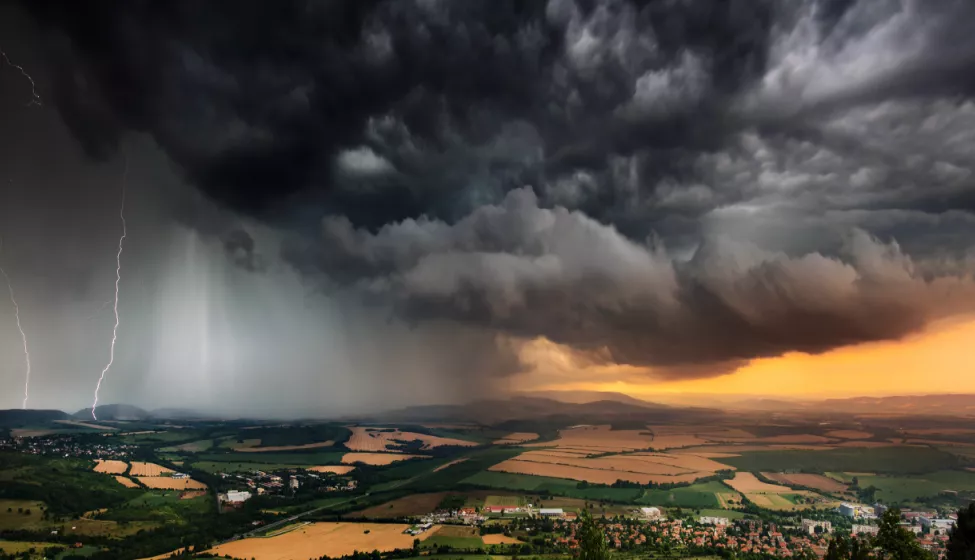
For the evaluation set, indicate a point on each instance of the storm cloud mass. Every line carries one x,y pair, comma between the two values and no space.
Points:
680,185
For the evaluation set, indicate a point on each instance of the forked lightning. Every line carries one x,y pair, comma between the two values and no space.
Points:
35,98
23,336
118,279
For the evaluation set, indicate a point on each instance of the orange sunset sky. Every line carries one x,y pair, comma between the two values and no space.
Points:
940,359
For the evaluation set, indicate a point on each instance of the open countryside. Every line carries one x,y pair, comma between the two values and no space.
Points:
483,493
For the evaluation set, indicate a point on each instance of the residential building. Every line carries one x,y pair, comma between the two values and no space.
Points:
236,496
708,520
551,512
809,526
934,524
865,530
650,512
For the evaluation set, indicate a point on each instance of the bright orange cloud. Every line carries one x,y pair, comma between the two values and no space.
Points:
938,360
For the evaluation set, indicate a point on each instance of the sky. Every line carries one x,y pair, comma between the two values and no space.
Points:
352,205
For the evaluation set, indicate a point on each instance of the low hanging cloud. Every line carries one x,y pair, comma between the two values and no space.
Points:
529,271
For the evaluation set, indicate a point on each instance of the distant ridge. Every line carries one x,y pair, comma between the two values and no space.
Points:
524,407
113,412
583,397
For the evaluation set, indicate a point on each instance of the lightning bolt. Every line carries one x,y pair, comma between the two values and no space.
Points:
118,279
35,98
13,300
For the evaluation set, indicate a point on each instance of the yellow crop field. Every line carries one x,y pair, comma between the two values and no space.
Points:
599,439
376,439
322,539
140,468
499,539
110,467
516,437
336,469
127,482
168,483
747,483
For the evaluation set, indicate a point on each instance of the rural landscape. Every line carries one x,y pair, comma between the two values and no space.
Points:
487,279
669,481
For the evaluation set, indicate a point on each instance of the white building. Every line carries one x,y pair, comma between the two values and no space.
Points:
551,512
650,512
708,520
937,524
809,526
916,529
235,496
293,483
865,530
179,475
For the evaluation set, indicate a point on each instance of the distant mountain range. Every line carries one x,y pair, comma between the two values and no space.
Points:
580,406
577,406
583,397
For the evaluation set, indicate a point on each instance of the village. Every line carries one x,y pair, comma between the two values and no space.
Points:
67,446
283,483
793,537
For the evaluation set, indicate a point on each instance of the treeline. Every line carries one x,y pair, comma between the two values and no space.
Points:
627,484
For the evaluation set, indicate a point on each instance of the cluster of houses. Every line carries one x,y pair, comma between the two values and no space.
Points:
713,532
262,482
415,530
66,446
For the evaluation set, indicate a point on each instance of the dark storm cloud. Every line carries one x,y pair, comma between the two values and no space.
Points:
533,272
240,248
807,165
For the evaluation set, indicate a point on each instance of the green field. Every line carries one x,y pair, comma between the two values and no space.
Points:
11,518
453,542
191,447
696,496
892,460
893,489
284,457
504,501
18,547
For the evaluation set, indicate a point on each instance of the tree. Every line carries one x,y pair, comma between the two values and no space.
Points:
895,542
961,539
592,541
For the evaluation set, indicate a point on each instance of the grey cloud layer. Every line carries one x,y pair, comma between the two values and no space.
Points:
808,165
533,271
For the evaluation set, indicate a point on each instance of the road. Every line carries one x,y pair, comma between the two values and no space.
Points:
267,528
286,521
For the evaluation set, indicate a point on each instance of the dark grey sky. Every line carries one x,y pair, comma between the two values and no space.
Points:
349,204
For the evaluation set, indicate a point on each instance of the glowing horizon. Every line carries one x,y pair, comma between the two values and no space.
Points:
889,368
